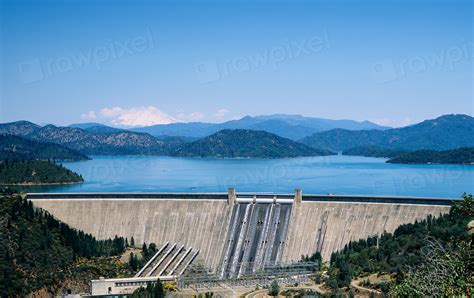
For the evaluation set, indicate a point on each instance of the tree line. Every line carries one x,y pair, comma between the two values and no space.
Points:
35,172
404,253
36,250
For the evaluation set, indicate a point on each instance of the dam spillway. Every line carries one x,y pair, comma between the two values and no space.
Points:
237,234
256,237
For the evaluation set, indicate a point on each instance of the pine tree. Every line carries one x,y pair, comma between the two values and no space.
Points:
133,262
145,250
274,288
158,290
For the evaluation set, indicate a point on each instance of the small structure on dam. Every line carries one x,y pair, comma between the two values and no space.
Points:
236,234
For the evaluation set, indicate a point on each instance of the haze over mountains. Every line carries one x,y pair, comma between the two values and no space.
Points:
288,126
186,139
443,133
96,127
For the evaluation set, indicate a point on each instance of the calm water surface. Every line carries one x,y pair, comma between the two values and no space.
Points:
317,175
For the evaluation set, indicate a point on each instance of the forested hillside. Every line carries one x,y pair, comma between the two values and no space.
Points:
102,142
443,133
247,143
35,172
431,257
457,156
39,252
18,128
19,148
115,143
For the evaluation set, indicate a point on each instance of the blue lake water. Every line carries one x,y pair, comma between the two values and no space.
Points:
315,175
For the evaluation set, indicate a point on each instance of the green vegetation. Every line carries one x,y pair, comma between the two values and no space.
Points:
246,144
373,151
458,156
19,128
444,270
316,258
297,293
40,252
455,156
83,270
26,162
18,148
115,143
274,289
431,257
205,295
147,252
35,172
153,290
159,290
110,142
134,262
443,133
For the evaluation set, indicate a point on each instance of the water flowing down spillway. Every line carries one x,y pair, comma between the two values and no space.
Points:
256,237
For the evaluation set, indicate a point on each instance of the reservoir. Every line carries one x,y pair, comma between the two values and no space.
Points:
347,175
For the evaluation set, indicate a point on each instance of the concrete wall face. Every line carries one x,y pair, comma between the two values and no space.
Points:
200,224
327,226
255,238
227,234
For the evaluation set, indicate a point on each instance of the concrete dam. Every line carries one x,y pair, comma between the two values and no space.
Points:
256,237
237,234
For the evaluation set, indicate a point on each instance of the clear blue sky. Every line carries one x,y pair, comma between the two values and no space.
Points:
392,62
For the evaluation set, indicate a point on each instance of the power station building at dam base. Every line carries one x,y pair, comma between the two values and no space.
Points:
233,234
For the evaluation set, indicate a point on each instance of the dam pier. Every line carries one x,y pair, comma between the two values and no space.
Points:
234,234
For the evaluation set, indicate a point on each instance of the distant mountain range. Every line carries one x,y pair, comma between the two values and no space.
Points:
225,143
96,127
288,126
443,133
92,140
18,128
247,144
90,143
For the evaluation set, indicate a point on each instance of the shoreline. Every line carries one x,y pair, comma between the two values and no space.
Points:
415,163
38,183
431,163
